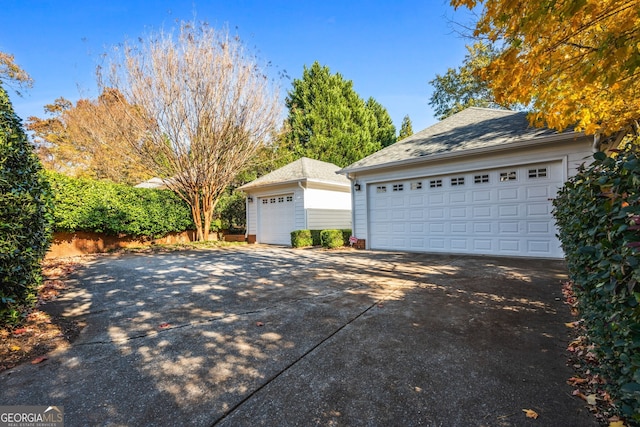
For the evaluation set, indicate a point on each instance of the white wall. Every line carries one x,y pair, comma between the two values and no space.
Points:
316,198
321,219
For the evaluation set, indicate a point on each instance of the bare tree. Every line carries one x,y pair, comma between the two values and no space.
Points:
204,107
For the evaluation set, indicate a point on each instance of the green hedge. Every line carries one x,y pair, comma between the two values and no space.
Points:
25,217
331,239
301,238
326,238
88,205
598,215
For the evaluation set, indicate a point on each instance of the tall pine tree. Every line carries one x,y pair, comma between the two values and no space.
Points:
329,121
406,130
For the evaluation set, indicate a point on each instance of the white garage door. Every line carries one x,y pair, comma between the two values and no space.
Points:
499,212
275,219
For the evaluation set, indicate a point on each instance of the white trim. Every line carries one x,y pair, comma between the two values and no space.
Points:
516,145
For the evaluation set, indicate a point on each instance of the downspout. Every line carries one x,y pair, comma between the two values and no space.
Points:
304,209
596,142
353,204
246,217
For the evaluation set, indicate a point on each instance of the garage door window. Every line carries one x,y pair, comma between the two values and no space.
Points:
481,179
538,173
435,183
457,181
508,176
289,198
381,189
398,187
416,185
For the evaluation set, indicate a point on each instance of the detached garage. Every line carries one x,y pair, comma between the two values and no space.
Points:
479,182
305,194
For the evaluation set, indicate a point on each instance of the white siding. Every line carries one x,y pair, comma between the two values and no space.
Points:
320,219
252,215
316,198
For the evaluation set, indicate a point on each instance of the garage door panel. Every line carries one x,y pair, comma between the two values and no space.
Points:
482,196
481,211
508,227
538,192
458,197
435,199
500,211
509,194
509,245
458,212
538,209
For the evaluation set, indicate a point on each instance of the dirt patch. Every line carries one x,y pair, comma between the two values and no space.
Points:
41,332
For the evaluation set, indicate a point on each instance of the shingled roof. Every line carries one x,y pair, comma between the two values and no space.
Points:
301,170
473,128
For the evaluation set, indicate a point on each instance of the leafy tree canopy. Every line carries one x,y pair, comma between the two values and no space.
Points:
81,141
11,74
329,121
576,62
463,87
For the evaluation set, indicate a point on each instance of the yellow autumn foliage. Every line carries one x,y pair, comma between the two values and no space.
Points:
576,62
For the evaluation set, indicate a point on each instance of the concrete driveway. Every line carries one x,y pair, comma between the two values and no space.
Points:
256,335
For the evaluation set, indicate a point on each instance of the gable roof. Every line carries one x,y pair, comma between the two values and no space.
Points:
302,170
471,129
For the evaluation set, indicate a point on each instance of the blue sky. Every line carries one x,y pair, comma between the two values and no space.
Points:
389,49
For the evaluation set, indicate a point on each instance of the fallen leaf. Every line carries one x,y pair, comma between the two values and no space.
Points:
259,324
571,324
38,360
616,424
14,348
591,399
19,331
530,413
163,325
576,381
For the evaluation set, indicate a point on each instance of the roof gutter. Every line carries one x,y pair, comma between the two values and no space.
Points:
293,181
465,153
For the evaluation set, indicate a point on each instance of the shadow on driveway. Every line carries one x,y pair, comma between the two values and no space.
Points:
276,336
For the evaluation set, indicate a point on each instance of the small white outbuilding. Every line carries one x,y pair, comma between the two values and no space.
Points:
305,194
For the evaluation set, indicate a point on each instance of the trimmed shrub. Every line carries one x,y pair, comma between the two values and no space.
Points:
301,238
346,233
88,205
331,239
315,237
25,214
598,215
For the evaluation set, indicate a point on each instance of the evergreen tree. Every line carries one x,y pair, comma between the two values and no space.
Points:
328,121
461,88
24,217
406,130
384,131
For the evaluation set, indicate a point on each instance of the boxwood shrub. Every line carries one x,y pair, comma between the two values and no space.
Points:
598,215
331,239
301,238
88,205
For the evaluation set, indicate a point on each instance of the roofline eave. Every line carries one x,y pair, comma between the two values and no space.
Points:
464,153
249,187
